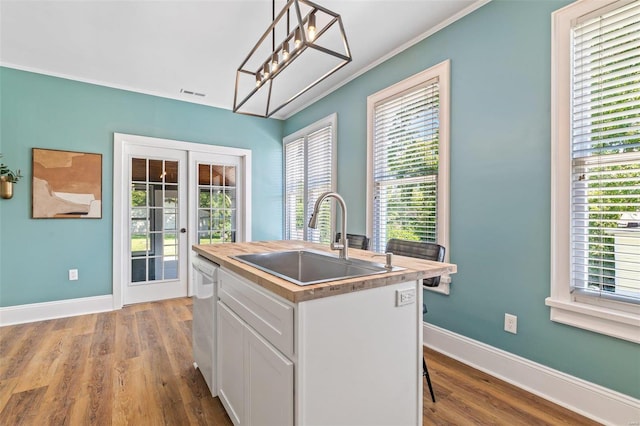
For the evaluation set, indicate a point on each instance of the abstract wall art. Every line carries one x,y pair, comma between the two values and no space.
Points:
66,184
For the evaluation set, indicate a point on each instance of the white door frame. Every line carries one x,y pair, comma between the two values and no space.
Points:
120,201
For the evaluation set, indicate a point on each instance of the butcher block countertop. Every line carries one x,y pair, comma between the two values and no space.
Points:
415,269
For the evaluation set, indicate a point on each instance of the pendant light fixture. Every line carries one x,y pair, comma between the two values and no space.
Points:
312,47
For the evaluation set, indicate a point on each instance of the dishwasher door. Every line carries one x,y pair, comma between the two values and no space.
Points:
205,275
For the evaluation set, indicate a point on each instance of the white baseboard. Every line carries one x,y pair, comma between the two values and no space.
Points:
588,399
59,309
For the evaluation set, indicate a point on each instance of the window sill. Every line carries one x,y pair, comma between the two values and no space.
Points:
443,287
621,325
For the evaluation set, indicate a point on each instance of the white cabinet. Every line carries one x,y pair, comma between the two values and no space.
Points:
347,360
255,379
231,363
271,317
268,383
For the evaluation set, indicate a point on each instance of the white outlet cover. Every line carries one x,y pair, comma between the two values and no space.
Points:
511,323
405,297
73,274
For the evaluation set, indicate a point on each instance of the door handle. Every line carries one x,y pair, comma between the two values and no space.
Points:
183,230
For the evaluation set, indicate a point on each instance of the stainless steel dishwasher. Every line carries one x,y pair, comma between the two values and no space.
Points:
205,275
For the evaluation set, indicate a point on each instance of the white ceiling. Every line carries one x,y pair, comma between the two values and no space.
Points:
161,47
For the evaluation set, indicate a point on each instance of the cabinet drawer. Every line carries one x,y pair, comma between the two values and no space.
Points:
270,317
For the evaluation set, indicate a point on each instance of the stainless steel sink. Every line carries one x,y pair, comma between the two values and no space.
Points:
306,267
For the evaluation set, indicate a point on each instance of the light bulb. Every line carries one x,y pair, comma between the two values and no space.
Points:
258,79
297,38
311,27
274,62
285,50
265,71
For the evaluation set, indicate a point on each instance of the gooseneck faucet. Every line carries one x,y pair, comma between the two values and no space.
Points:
343,244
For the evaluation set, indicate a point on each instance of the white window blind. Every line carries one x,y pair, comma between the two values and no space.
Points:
309,171
405,165
605,147
294,211
319,170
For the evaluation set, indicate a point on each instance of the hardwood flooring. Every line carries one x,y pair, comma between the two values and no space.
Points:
466,396
135,367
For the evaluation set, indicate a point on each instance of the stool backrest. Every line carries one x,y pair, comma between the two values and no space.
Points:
355,240
420,250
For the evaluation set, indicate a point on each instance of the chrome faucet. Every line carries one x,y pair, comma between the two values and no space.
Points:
343,244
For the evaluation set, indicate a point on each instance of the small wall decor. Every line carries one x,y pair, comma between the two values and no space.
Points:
7,178
66,184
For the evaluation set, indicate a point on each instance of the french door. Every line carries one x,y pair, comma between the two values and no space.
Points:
169,195
157,224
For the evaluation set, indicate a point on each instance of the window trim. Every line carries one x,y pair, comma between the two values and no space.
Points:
442,72
330,120
595,314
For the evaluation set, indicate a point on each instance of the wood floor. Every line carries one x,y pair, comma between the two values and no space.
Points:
134,367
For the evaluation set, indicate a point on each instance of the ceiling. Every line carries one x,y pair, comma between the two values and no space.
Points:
164,48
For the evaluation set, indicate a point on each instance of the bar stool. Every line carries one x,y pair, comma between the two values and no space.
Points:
420,250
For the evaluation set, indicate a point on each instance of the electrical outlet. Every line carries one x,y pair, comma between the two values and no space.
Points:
405,297
511,323
73,274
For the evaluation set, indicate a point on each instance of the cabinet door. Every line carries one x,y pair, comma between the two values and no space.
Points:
268,382
231,363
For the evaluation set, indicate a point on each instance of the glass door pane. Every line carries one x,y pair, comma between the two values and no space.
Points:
154,220
217,203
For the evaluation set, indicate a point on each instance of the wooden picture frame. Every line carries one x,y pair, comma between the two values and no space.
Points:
66,184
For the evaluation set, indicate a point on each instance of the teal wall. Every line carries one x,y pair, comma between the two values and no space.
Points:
500,185
47,112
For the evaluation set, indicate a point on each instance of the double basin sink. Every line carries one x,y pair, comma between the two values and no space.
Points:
306,267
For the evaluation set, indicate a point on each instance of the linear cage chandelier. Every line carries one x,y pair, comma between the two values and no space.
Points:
312,46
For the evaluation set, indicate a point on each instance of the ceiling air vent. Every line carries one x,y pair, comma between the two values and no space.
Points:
192,93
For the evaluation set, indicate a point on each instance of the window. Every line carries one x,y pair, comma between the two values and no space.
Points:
595,216
408,149
309,170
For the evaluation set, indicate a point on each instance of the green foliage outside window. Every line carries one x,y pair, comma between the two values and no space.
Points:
215,217
612,189
412,161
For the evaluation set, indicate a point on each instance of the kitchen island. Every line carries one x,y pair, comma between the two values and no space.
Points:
344,352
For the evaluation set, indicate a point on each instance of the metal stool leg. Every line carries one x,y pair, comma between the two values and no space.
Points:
425,373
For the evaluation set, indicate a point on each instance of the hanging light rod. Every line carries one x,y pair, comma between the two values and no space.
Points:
306,33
